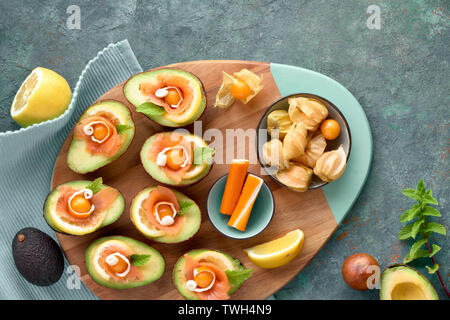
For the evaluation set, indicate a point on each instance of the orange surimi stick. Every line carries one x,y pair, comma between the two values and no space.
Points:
241,213
235,181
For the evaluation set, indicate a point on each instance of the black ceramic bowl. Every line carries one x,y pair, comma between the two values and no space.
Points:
333,113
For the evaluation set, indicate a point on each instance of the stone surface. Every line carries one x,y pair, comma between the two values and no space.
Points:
399,74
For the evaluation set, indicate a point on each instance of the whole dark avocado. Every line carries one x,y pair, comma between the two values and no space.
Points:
37,257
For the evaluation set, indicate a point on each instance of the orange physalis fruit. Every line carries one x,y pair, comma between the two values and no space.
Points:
330,129
175,159
120,267
100,132
203,278
172,97
240,90
78,206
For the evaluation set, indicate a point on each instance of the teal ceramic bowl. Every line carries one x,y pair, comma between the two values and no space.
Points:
262,211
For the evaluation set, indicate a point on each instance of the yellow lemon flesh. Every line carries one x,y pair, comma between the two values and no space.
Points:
278,252
43,95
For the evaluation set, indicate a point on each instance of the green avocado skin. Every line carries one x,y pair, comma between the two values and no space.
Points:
180,268
81,161
37,257
131,92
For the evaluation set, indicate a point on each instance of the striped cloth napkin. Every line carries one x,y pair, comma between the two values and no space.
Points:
26,165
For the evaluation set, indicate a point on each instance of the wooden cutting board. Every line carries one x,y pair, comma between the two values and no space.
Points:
316,212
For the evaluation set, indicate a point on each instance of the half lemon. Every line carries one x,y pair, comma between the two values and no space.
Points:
278,252
43,95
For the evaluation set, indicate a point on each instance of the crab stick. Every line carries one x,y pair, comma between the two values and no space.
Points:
235,181
241,213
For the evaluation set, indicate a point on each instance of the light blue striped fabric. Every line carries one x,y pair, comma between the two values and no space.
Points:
26,165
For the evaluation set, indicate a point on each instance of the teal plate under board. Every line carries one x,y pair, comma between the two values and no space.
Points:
340,194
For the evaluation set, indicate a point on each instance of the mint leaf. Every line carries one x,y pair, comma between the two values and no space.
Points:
405,232
428,198
410,214
433,269
150,109
421,186
237,277
184,206
435,227
411,193
202,155
138,260
420,253
436,248
415,247
430,211
121,128
415,229
96,185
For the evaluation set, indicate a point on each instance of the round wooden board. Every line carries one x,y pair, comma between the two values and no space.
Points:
308,211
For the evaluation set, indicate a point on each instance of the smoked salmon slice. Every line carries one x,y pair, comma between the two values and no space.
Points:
149,89
102,201
133,275
167,140
219,290
108,148
158,195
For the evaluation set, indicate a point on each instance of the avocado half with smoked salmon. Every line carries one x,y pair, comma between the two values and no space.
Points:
101,135
176,158
205,274
165,215
81,207
122,263
170,97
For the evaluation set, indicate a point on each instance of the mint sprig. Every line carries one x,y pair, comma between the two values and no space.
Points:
138,260
96,185
420,229
237,277
150,109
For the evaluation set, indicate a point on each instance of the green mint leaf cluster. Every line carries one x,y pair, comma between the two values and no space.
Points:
150,109
138,260
96,185
418,226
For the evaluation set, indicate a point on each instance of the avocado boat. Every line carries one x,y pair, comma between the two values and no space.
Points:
101,135
205,274
81,207
176,159
400,282
170,97
121,262
165,215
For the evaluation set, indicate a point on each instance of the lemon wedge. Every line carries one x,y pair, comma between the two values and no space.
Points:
278,252
43,95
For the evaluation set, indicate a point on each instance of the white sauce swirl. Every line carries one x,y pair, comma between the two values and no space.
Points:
163,92
192,285
89,130
166,220
113,259
161,159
